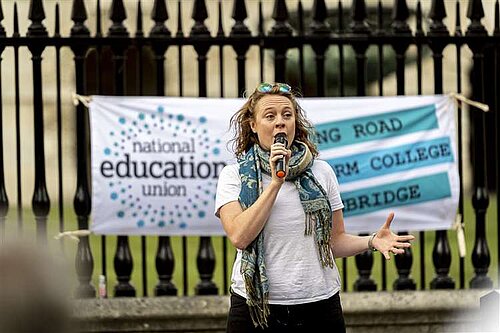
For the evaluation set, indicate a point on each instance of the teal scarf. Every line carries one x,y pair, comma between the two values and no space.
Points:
316,207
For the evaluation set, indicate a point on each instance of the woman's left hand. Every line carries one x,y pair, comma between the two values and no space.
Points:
386,241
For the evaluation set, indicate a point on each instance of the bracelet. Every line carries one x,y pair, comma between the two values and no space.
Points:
370,242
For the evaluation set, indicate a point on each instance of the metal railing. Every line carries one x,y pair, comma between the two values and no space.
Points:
133,56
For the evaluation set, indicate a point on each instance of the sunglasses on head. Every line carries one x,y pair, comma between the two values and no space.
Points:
268,87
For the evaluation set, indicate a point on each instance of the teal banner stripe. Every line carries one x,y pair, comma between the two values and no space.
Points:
396,159
408,192
342,133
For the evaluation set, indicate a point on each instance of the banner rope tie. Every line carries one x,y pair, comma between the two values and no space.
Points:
74,235
459,227
459,97
77,99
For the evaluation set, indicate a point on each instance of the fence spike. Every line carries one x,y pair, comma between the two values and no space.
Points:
199,16
400,14
280,16
419,31
159,14
475,10
437,14
320,12
261,19
280,12
2,29
300,14
496,31
78,11
36,12
98,23
79,16
458,24
56,28
239,16
117,11
380,18
199,11
220,29
139,32
36,15
359,10
319,15
475,13
359,15
16,22
117,14
340,18
239,10
438,11
179,20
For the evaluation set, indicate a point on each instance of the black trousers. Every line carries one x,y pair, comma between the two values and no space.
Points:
321,316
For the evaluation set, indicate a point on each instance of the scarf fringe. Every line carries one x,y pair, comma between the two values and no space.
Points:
257,306
326,255
324,251
310,222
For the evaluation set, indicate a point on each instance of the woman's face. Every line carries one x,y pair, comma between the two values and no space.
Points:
273,114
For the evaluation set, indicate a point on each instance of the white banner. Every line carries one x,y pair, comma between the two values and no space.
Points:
155,161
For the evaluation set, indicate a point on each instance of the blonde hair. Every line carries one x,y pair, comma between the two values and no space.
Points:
244,138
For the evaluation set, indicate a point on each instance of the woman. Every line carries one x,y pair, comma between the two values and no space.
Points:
286,230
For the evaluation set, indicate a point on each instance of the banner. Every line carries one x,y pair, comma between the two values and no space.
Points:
156,160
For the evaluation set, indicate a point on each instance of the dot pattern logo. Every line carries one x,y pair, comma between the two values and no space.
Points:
133,196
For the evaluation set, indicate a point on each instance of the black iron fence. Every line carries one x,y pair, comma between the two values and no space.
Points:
313,48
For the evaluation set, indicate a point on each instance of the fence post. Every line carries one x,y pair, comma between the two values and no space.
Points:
401,28
4,200
241,47
496,33
441,254
282,29
205,259
165,259
84,262
19,197
480,199
123,261
139,45
340,31
359,27
40,201
319,28
458,48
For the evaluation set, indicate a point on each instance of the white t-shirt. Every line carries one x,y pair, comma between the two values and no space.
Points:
294,271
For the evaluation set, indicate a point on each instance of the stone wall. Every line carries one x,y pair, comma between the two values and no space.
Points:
404,311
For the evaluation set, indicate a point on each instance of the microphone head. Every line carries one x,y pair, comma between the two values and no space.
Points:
281,138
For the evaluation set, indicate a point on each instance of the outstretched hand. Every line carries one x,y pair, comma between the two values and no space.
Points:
386,241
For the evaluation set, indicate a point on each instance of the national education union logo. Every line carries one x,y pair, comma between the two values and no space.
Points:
161,168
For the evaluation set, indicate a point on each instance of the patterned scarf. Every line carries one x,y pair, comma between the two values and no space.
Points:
318,218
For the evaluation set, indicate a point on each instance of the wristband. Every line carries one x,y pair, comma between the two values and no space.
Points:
370,242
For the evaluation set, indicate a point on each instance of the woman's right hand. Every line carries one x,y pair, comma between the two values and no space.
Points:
278,150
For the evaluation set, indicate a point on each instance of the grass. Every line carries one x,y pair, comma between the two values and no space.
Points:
68,249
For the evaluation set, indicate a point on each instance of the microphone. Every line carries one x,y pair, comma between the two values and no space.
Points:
280,165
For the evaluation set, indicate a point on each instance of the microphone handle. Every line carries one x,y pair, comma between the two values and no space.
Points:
280,167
